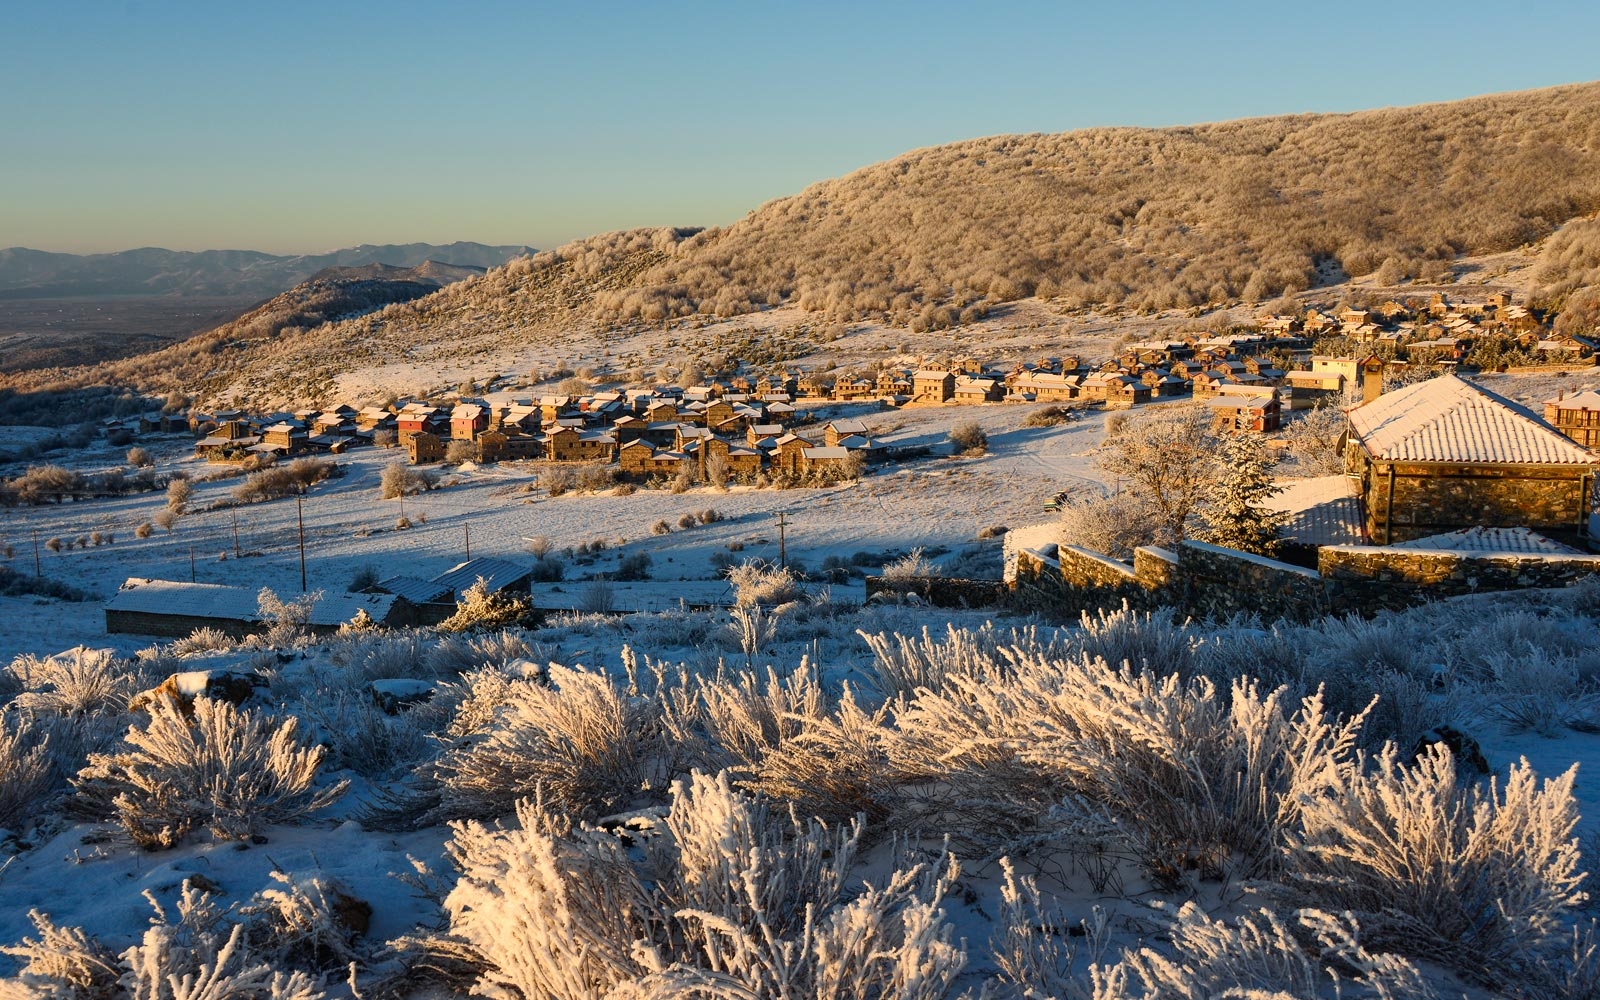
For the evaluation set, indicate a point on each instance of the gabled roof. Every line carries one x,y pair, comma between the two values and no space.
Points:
416,591
1446,419
1589,399
497,573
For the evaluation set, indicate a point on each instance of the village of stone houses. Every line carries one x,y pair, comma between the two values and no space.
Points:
1172,642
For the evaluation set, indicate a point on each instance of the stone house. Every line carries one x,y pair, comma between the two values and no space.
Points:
788,454
423,447
834,431
854,387
634,457
467,421
285,438
1445,454
743,462
568,444
1577,416
1232,413
971,389
169,608
933,386
499,446
1306,388
826,461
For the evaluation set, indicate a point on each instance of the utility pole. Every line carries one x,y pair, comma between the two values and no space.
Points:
300,523
783,549
191,564
235,533
468,529
37,569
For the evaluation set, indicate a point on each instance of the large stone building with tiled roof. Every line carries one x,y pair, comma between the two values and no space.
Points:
1446,454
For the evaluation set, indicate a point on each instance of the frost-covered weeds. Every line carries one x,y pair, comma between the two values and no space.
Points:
275,952
1129,754
727,897
228,769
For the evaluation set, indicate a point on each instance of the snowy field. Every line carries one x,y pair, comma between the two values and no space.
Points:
1118,796
934,502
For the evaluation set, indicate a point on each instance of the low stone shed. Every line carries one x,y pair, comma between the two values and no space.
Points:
171,609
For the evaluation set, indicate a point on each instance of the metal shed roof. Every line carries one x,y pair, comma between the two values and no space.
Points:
211,600
497,573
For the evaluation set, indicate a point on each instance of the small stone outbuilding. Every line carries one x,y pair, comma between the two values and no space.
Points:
1446,454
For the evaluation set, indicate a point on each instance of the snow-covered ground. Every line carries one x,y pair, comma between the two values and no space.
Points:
937,502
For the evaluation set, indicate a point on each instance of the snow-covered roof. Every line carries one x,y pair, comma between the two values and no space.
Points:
415,590
497,573
814,454
1480,539
1322,510
1589,399
1446,419
212,600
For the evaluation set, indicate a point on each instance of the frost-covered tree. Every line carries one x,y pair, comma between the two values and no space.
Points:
1234,515
1167,460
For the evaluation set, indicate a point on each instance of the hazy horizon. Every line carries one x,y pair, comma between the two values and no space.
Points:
300,129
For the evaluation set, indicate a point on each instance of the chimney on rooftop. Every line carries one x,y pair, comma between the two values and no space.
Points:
1371,378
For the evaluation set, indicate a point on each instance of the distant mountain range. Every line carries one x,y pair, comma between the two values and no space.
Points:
31,274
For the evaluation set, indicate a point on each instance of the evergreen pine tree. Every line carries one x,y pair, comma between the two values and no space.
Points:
1233,514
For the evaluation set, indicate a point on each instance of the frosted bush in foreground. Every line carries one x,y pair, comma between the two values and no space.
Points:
76,682
1200,778
582,739
230,770
201,956
1476,878
1259,955
730,900
24,773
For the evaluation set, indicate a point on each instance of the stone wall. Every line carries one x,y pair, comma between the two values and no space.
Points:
1368,579
1210,581
942,591
1156,568
1219,582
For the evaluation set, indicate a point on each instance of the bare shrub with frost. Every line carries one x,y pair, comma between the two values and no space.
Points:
363,738
231,770
583,739
200,956
202,640
77,682
64,962
306,922
756,582
753,627
1035,945
1142,639
480,609
783,737
1260,954
286,620
904,664
731,901
25,765
1200,778
1435,868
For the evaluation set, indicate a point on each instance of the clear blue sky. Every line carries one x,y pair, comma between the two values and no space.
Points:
289,126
